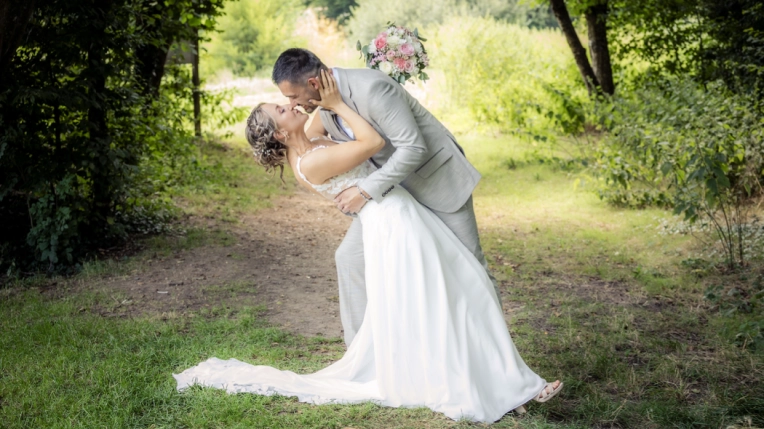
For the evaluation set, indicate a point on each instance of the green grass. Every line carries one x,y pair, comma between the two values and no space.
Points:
597,298
231,185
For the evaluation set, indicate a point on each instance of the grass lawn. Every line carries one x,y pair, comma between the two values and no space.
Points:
595,297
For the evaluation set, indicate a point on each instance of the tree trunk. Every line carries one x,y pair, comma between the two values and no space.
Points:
153,55
579,52
150,67
197,92
99,134
596,20
102,174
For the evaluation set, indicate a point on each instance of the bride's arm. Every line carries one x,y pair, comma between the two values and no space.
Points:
321,165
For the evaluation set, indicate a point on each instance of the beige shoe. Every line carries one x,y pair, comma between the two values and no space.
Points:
549,395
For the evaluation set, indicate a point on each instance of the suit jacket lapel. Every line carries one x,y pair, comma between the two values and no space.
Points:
345,91
329,119
331,126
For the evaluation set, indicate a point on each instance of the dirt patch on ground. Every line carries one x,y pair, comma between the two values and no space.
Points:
282,259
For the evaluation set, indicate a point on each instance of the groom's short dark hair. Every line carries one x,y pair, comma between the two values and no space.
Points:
295,66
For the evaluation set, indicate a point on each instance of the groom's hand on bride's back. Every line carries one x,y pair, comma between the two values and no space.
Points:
350,201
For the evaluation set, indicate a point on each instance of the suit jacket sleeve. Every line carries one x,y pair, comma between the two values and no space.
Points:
392,113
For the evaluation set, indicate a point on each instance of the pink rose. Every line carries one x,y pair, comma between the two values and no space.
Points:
407,50
400,63
381,41
410,66
390,55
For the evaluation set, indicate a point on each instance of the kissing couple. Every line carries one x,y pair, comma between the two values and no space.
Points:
421,313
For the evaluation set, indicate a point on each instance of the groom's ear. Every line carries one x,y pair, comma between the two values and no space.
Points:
314,83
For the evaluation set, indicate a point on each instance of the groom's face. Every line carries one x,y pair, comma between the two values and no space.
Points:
300,95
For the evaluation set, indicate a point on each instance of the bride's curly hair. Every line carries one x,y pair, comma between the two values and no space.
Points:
261,132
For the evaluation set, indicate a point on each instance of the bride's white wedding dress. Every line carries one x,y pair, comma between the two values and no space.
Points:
433,334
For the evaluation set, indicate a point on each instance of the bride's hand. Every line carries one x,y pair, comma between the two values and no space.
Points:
330,95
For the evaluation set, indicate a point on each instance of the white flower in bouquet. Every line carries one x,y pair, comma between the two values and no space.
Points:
393,41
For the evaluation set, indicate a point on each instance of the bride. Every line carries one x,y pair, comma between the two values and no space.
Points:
433,333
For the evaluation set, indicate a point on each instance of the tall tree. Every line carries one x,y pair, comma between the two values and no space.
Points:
600,77
562,15
165,23
596,20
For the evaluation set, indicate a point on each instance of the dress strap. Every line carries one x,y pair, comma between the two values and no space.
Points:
299,160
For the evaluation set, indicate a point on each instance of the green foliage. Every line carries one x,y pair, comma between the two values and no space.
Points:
698,150
80,115
525,81
707,39
252,35
370,16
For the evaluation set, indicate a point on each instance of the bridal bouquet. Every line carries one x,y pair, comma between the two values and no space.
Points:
397,52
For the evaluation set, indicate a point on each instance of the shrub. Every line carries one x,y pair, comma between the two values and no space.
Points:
698,150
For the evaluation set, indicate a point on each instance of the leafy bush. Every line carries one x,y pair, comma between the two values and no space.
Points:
252,35
525,80
699,150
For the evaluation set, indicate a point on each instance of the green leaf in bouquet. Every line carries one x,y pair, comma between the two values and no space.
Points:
423,76
358,45
365,50
401,79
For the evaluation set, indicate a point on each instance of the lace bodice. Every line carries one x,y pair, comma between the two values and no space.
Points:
338,183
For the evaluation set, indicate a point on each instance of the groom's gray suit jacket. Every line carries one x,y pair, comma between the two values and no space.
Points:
419,153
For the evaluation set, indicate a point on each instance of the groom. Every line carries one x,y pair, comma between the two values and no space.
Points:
420,155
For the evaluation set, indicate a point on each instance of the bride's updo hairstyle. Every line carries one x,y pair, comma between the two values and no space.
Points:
261,134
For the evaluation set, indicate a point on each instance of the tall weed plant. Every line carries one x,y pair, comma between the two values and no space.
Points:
509,77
